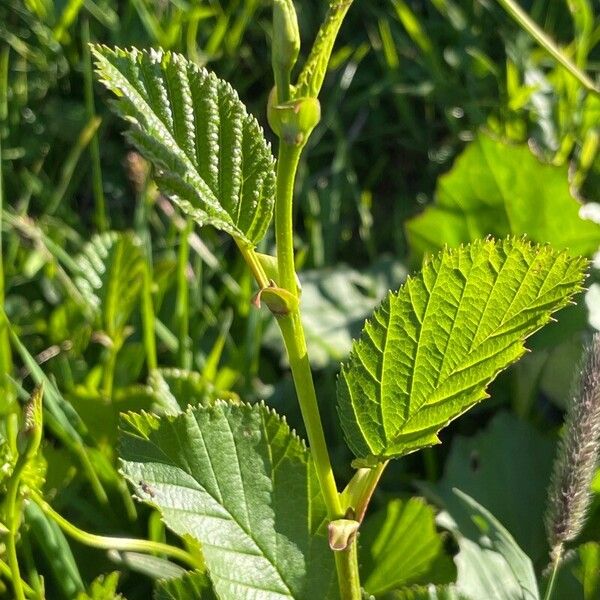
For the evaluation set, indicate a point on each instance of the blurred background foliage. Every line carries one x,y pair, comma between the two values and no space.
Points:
442,122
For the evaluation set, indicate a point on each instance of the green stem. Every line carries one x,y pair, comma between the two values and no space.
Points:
182,302
253,264
71,162
149,319
13,518
5,353
525,21
108,374
114,543
557,554
293,338
295,344
5,570
287,165
88,89
346,563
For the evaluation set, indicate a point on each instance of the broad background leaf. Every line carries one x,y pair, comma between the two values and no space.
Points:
490,564
399,545
430,350
211,155
239,481
479,466
502,189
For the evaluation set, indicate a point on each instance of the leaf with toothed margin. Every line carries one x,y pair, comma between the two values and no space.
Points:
237,479
211,156
430,350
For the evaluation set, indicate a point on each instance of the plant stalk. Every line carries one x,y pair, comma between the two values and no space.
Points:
13,517
346,563
5,352
287,165
295,344
540,36
182,303
100,216
293,338
552,581
114,543
29,591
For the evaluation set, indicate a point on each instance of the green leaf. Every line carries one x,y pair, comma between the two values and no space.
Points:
151,566
211,156
50,542
501,189
429,592
398,546
479,467
589,555
173,386
490,564
104,587
112,268
239,481
432,348
193,584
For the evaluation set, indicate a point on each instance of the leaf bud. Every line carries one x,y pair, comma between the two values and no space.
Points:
30,436
286,38
293,121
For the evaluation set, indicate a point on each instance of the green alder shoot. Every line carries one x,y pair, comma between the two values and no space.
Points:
266,510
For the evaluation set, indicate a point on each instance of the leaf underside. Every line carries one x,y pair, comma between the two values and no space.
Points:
211,156
431,349
237,479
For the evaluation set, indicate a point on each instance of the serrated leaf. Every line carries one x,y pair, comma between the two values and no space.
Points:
226,475
173,386
104,587
190,585
398,546
429,592
432,348
502,189
211,155
112,268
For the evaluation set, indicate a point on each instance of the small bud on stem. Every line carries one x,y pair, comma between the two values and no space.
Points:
286,45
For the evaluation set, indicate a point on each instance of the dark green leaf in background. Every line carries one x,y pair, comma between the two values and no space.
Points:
490,564
503,189
508,455
399,545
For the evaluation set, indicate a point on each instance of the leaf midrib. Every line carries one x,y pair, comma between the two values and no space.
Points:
399,433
